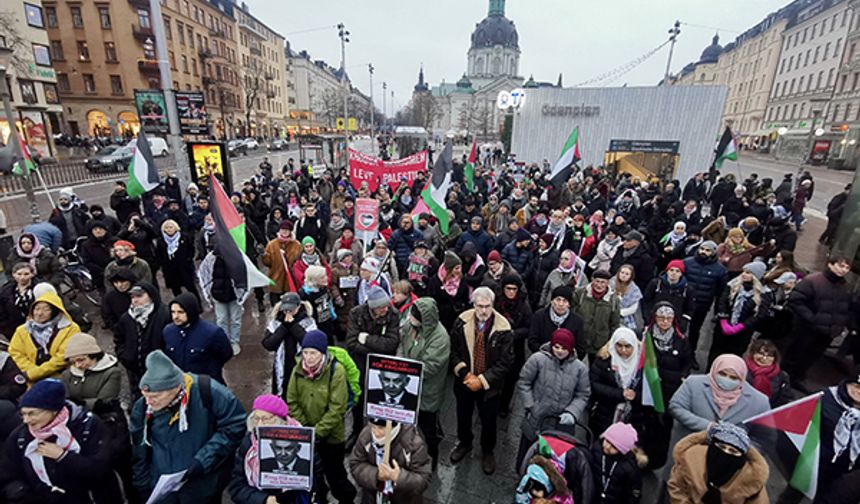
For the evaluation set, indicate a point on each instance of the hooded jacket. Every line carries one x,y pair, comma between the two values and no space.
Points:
96,253
320,402
409,450
47,263
100,382
679,295
431,345
600,317
550,387
27,356
132,342
139,268
199,346
687,484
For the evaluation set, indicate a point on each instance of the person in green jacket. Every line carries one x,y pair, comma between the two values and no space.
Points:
317,396
184,422
600,311
93,375
425,339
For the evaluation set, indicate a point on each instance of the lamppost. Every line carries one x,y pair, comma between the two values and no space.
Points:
6,56
370,70
384,109
673,36
343,33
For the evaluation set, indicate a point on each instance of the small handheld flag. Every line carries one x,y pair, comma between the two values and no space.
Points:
142,174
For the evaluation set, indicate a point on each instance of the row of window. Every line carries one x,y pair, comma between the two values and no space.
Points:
28,91
800,37
199,15
186,36
787,63
786,87
89,82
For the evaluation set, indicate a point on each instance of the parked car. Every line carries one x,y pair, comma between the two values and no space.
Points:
117,158
278,144
236,147
251,143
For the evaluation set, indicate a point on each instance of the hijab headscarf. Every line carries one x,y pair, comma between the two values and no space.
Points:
727,399
674,238
33,253
625,368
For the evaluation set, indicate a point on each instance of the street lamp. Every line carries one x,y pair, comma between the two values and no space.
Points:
343,33
6,56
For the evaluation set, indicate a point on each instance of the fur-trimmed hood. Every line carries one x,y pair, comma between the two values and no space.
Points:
549,468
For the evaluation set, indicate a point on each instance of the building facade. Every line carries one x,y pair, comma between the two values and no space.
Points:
31,78
845,104
263,77
315,94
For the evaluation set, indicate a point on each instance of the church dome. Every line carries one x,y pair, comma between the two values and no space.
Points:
712,53
495,29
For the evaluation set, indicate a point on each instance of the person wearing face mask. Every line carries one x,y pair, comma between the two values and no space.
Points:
615,380
69,218
706,278
38,345
317,396
407,474
718,467
426,340
184,422
722,395
126,257
554,385
617,464
742,308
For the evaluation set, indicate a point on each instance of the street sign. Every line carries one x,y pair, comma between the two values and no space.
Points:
352,124
339,124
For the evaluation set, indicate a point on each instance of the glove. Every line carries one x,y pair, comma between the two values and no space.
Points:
736,329
362,337
566,419
724,325
194,470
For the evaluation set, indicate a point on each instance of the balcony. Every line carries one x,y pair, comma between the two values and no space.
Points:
147,66
254,49
205,54
142,32
245,25
215,32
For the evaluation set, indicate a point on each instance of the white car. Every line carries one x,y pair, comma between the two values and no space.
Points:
251,143
158,146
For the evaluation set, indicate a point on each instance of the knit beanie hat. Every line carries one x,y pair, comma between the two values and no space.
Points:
341,253
273,404
563,291
522,235
309,239
710,245
547,238
287,225
511,279
494,256
730,434
622,436
788,276
315,339
48,394
81,344
123,243
564,338
161,373
676,263
370,264
451,260
377,297
757,268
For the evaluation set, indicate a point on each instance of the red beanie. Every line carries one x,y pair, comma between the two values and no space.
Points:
676,263
564,338
494,256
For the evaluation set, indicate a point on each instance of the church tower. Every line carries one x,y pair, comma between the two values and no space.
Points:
495,50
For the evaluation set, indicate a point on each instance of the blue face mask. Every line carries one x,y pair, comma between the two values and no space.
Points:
727,384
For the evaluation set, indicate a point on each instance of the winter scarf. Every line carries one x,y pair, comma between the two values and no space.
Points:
58,429
140,314
178,406
172,242
379,449
417,268
23,300
311,259
337,227
252,458
313,372
32,254
41,333
662,339
556,319
762,375
346,244
725,399
451,285
740,300
847,432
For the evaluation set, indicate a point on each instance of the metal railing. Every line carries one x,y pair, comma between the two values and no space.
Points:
57,175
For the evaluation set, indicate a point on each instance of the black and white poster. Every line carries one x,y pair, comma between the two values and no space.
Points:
286,457
191,108
393,388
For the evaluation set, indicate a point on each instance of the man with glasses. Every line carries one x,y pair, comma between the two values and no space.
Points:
481,355
706,277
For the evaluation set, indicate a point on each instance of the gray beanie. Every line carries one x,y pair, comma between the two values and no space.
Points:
161,373
377,297
757,268
709,244
730,434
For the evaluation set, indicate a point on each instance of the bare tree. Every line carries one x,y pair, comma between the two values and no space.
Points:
15,41
328,106
424,110
468,115
484,119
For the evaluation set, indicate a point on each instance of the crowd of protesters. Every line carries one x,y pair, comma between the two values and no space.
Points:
538,297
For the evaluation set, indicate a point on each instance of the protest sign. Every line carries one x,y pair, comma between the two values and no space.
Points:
374,171
286,457
366,219
393,388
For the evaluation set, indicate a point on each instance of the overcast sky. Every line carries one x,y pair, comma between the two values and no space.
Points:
581,39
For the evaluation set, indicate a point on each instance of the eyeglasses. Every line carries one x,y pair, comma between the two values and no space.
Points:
765,355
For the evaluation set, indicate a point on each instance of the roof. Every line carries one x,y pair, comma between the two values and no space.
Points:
495,30
712,53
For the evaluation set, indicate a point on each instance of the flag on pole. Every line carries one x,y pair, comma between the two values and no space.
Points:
436,190
727,148
652,391
800,422
142,174
569,156
469,170
25,165
228,223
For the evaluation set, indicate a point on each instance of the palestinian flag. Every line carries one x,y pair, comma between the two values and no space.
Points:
800,422
727,148
652,392
569,156
142,175
436,190
469,170
243,273
25,165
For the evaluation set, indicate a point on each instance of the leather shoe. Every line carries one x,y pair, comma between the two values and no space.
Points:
488,463
459,453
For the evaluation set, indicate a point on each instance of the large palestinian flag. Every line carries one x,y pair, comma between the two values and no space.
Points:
142,174
800,422
436,190
469,170
727,148
230,241
569,156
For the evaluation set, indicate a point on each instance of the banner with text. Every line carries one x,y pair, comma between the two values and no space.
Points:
365,168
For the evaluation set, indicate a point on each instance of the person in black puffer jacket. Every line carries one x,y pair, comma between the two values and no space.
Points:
174,253
116,301
557,315
519,253
139,331
671,286
512,302
95,251
823,306
706,277
544,262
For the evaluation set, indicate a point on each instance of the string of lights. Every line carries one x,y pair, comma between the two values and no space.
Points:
617,72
